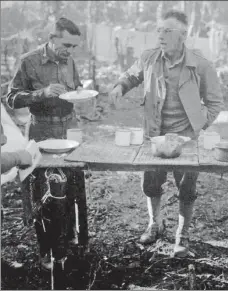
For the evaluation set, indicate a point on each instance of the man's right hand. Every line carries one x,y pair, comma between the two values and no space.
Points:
115,95
54,90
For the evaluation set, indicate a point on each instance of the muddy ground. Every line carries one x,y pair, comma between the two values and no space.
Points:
117,216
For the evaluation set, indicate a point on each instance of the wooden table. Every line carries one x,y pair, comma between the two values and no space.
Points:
105,155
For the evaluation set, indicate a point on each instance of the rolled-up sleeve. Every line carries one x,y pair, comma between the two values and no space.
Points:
211,94
21,93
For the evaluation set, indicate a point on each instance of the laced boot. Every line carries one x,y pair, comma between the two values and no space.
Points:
182,235
152,232
181,247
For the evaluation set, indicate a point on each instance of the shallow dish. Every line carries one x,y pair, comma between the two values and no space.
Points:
57,146
222,145
221,151
82,95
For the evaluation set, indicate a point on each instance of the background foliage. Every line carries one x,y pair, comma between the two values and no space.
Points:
25,24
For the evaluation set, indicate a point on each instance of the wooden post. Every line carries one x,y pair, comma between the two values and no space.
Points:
59,276
120,55
192,277
89,36
129,57
26,187
94,72
60,214
58,235
76,191
82,207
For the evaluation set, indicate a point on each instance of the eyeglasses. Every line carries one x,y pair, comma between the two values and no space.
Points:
68,45
167,30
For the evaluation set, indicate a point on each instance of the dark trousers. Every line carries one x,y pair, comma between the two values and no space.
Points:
186,183
152,181
54,224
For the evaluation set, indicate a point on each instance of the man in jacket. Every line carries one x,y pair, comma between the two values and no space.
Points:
42,76
176,80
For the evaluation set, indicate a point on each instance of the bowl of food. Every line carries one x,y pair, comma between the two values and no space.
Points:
168,146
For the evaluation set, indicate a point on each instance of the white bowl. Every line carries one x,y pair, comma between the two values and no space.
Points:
57,146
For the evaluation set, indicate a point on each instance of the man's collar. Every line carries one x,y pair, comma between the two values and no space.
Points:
190,60
48,55
177,61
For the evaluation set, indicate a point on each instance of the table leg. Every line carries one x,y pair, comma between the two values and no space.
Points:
76,193
58,276
59,246
61,215
27,200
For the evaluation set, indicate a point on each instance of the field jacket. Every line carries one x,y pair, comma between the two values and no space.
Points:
198,85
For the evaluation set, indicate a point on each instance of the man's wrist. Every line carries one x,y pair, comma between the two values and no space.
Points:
38,95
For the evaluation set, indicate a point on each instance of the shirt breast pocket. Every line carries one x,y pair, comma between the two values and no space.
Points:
36,83
67,77
47,74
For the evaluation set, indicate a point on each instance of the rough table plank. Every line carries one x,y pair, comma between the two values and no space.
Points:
55,161
101,152
189,157
207,159
103,155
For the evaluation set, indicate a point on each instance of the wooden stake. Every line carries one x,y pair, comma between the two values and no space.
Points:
192,277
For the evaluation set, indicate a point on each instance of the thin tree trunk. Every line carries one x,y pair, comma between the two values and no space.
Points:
183,6
94,52
56,9
89,35
159,10
192,19
137,9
